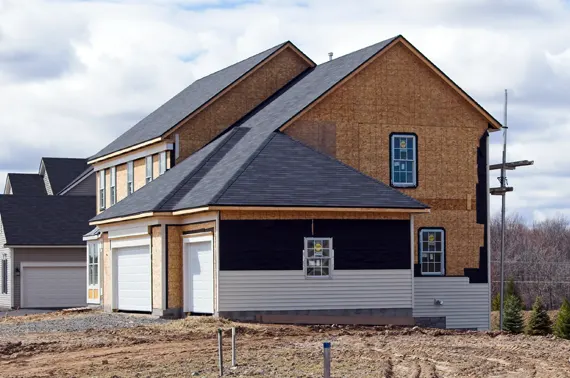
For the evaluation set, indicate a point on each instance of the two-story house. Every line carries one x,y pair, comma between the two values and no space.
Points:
279,190
43,217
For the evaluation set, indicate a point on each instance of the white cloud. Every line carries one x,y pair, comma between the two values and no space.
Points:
75,74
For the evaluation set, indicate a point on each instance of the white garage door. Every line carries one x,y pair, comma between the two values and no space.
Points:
200,277
133,279
53,286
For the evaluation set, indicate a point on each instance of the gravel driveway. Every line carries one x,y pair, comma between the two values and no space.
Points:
76,323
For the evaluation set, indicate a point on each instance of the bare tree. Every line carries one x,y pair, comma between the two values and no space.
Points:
537,258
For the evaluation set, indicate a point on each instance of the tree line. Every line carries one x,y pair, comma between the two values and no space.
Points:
536,260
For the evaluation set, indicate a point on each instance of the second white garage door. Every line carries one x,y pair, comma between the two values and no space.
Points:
133,279
199,273
53,286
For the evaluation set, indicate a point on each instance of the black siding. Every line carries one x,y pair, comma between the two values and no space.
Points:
278,244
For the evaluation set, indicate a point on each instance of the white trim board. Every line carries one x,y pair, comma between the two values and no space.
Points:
130,242
46,246
135,155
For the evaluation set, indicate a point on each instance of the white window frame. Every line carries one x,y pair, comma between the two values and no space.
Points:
424,232
5,266
102,194
113,186
130,178
306,258
399,161
148,162
94,249
162,163
176,146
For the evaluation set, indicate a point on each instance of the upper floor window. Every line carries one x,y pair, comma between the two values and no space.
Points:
113,186
130,178
432,251
148,169
176,146
318,257
403,160
102,199
162,162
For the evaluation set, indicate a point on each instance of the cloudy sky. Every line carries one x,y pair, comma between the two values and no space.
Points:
74,74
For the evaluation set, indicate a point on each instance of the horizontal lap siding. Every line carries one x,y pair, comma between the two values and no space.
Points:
45,255
87,187
290,290
465,305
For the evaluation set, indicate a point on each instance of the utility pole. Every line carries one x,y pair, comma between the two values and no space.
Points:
502,191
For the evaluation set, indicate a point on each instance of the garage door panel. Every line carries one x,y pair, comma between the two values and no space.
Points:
133,279
200,290
53,286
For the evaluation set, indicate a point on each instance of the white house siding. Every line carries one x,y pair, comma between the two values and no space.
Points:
290,290
45,255
5,299
465,305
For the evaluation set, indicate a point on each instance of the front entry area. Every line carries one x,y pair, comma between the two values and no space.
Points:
133,279
199,274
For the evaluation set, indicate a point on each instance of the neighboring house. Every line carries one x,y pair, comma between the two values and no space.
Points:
280,190
42,254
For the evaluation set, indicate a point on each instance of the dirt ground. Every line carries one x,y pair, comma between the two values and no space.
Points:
188,348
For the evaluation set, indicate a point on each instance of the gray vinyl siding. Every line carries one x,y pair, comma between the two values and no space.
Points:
84,188
48,185
290,290
5,299
465,305
44,255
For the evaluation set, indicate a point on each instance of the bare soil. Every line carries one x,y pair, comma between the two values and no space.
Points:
187,348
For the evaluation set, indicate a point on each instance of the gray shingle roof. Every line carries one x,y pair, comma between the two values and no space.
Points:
62,171
184,103
236,169
27,184
46,220
82,175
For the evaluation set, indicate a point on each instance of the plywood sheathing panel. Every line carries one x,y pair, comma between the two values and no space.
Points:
243,215
398,93
139,171
156,257
121,181
175,266
238,101
175,262
106,299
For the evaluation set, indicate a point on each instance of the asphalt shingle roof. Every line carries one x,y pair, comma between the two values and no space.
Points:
62,171
184,103
27,184
46,220
253,164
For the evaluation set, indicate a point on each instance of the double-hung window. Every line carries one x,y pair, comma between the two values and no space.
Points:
4,274
148,169
432,251
113,186
130,178
176,146
403,161
102,196
162,162
318,257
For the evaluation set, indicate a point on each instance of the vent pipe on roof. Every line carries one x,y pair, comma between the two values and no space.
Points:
330,56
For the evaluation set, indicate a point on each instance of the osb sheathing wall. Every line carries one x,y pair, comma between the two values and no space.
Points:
156,260
139,172
238,101
397,92
106,298
175,261
246,215
121,181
